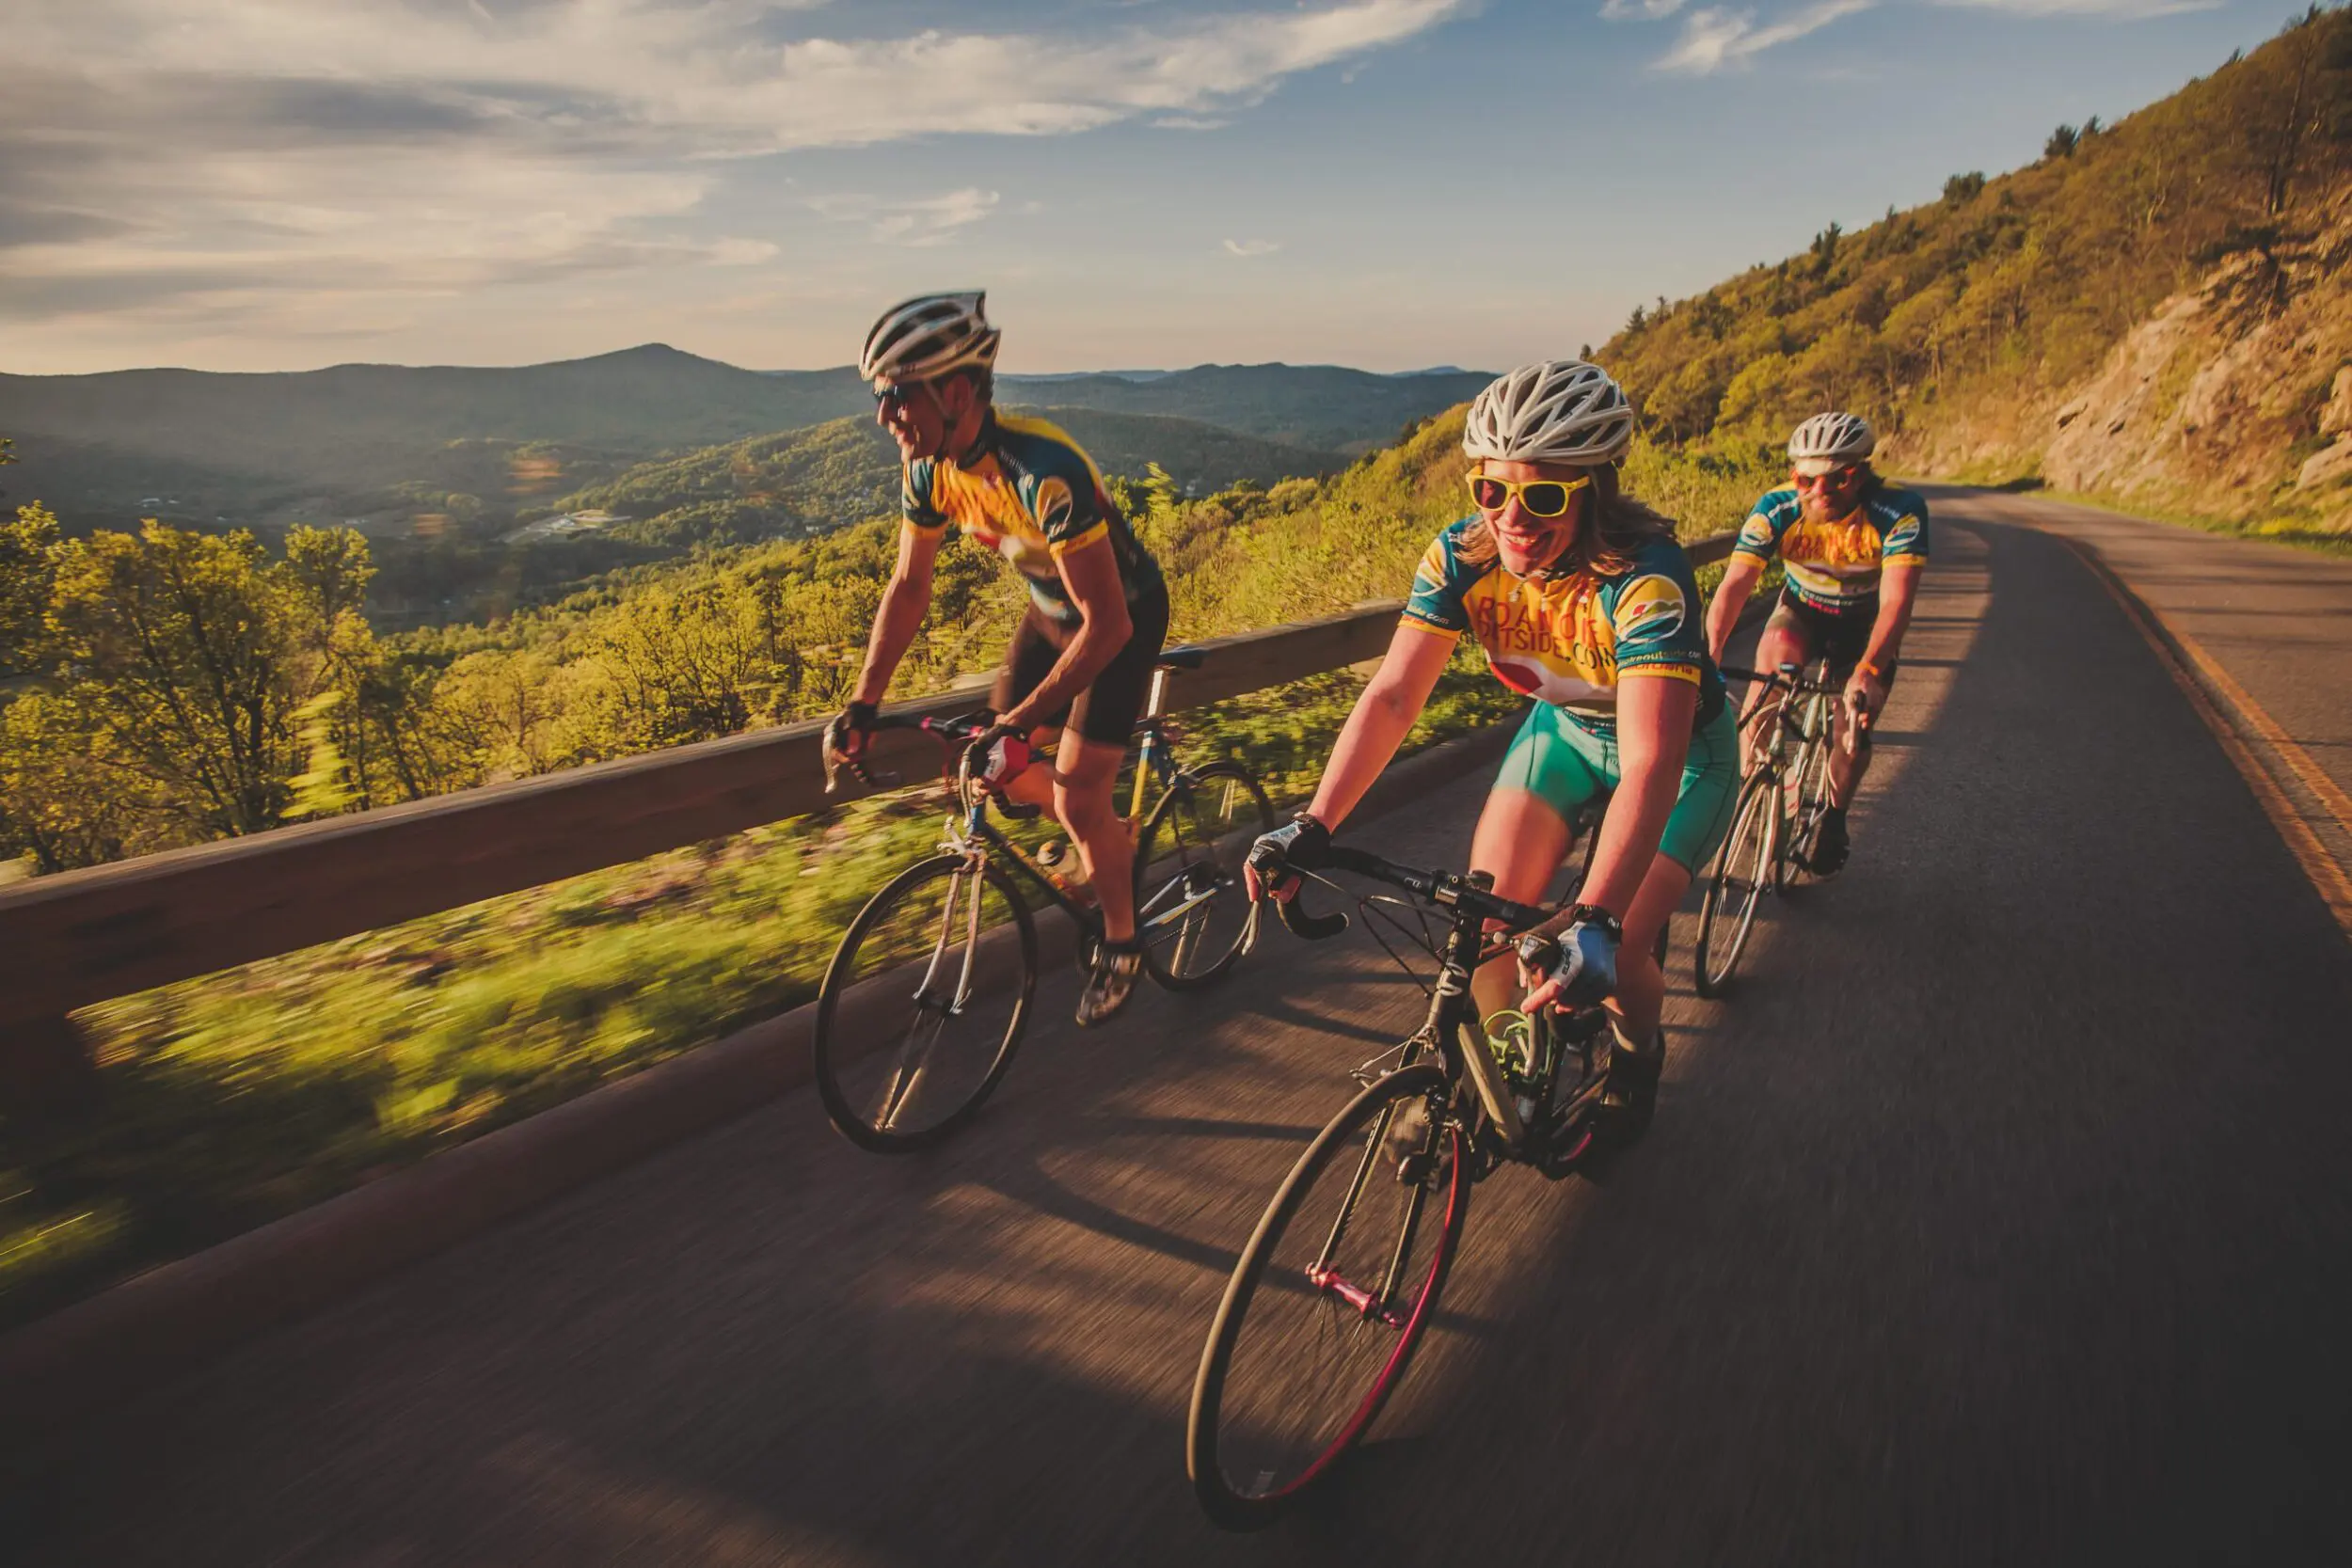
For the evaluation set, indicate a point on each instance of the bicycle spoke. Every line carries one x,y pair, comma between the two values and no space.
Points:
922,1007
1329,1301
1194,919
914,1055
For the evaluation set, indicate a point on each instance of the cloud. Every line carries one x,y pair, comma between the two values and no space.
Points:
224,152
2111,10
1714,39
1639,10
927,221
1252,247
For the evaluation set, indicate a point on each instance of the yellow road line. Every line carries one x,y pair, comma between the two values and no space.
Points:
2331,794
2327,879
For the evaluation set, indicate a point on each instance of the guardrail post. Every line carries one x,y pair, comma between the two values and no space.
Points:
47,1069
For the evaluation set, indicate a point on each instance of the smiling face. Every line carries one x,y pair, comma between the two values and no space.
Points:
1827,493
931,418
1530,543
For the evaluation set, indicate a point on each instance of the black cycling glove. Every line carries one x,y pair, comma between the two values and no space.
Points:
1302,843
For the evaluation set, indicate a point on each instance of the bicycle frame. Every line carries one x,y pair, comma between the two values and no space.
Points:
972,833
1452,1013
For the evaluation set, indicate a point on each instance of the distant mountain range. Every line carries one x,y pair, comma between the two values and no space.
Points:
846,470
364,439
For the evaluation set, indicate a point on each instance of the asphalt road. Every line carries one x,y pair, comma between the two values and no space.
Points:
2004,1216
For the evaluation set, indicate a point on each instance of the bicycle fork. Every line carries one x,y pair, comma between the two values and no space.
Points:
930,1013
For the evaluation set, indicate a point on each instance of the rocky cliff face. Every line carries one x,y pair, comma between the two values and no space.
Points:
2233,399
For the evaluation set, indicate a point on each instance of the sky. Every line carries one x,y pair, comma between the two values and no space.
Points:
281,184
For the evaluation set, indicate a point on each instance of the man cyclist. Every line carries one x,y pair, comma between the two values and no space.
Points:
1082,660
1852,545
1582,599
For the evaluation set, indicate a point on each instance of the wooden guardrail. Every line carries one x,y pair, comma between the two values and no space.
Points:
82,936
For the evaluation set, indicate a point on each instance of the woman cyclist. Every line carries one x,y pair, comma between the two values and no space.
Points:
1582,600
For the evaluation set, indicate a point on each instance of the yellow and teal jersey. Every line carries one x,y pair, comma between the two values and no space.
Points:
1570,640
1033,496
1836,566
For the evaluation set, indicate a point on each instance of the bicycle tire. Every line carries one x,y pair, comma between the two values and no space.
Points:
846,1046
1759,812
1207,879
1809,783
1225,1428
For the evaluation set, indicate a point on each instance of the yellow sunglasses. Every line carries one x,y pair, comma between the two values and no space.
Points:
1539,497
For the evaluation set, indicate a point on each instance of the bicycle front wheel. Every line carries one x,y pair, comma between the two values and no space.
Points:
923,1004
1191,908
1746,864
1809,788
1330,1300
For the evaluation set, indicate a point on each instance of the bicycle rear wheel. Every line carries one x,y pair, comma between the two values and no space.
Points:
1191,908
1746,864
1330,1300
923,1004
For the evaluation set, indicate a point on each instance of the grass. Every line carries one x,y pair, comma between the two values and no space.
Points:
2303,530
239,1098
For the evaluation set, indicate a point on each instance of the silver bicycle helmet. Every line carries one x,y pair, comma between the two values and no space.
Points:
1832,438
1557,411
927,337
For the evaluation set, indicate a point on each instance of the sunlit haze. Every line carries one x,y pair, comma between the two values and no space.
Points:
270,184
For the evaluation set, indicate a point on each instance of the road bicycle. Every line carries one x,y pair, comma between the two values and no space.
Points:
1340,1280
926,999
1777,820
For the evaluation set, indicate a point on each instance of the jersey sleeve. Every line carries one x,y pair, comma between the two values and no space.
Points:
1759,536
1653,610
1070,516
1906,540
1436,603
914,498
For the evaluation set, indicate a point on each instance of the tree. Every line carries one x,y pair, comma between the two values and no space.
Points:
2062,142
189,653
1825,250
66,799
28,544
1960,189
2302,98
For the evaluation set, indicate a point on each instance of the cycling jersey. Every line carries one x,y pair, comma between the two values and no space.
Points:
1836,566
1570,640
1033,496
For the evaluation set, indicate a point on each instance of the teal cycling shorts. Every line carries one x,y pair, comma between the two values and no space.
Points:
1564,764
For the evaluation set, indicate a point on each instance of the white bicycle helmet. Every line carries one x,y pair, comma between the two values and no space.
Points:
927,337
1557,411
1832,438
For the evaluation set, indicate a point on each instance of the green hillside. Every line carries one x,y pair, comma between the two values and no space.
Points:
360,441
1961,327
1324,407
805,482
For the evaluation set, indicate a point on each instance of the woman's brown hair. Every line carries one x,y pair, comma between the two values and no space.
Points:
1610,531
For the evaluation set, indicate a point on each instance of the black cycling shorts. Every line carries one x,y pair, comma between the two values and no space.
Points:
1107,710
1840,636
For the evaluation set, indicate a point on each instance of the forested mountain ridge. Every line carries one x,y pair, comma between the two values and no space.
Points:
315,445
1318,407
2157,308
846,470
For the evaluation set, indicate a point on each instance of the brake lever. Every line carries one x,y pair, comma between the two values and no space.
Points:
837,762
